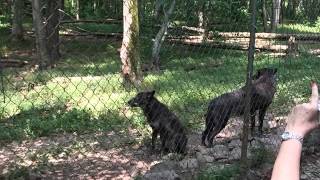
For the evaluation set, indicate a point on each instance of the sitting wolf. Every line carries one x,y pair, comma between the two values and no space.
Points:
162,121
233,104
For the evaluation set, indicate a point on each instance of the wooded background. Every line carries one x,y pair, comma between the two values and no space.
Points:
68,68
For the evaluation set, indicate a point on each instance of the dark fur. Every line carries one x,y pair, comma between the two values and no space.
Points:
162,121
233,104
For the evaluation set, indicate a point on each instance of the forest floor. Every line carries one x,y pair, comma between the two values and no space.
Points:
114,155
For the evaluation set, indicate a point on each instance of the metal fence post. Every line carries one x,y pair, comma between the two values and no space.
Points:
251,49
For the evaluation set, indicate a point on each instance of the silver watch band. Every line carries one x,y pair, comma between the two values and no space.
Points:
290,135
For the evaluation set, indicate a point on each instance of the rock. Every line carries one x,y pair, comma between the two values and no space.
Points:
163,175
270,124
219,151
255,144
208,159
200,157
235,154
163,166
189,163
253,175
173,156
304,177
271,142
154,163
204,158
139,152
313,138
62,155
308,150
235,143
140,164
169,156
202,149
145,148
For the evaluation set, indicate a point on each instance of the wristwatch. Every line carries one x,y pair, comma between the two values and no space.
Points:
290,135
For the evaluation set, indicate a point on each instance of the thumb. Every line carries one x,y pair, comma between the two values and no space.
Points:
315,94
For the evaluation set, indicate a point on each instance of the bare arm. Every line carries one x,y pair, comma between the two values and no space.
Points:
302,119
287,165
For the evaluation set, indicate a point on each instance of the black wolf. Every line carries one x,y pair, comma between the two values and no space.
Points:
162,121
233,104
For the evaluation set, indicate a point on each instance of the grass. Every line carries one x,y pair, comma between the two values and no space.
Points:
225,172
94,27
84,92
47,120
298,28
4,21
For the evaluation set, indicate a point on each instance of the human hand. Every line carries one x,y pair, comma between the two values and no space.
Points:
304,117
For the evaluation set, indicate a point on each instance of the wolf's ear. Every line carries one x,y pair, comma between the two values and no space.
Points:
152,92
275,70
257,75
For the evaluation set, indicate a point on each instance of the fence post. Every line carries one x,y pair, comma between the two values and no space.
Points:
245,129
2,82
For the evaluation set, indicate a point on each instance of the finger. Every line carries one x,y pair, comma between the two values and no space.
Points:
315,94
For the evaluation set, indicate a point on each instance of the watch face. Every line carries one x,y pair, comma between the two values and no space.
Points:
285,135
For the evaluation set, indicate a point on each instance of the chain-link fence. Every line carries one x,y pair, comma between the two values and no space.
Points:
87,91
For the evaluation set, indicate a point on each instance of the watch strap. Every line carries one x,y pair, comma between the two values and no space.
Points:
287,135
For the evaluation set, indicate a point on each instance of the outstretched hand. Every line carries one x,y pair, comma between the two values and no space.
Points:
304,117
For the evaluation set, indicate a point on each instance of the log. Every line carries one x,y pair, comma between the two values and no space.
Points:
267,36
12,63
102,21
107,35
229,45
232,43
276,36
315,52
196,29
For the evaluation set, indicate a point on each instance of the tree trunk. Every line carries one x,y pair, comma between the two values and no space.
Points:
311,9
17,28
292,8
77,9
282,11
129,54
289,9
203,20
94,7
276,9
53,22
157,9
40,32
161,36
61,13
62,5
264,16
244,3
295,5
141,11
72,4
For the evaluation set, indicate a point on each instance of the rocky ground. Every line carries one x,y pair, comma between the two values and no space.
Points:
121,155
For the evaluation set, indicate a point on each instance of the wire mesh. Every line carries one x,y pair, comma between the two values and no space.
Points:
72,101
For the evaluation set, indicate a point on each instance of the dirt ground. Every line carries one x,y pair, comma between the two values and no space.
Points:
112,155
